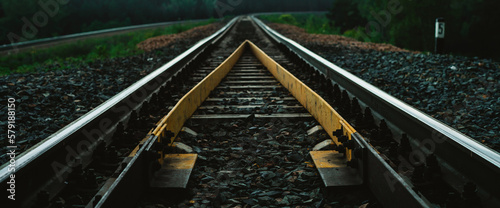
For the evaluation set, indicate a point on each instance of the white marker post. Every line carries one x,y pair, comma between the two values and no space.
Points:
439,35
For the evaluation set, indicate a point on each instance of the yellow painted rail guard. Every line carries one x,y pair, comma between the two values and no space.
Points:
329,119
187,105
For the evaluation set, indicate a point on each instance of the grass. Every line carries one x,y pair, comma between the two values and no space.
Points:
85,51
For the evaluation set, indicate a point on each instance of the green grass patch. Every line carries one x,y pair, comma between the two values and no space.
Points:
85,51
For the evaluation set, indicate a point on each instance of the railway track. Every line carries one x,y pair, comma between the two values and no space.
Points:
105,160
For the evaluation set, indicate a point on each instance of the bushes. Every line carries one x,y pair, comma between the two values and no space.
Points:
410,24
288,19
78,16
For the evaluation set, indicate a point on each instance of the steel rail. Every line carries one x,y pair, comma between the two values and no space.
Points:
135,176
13,46
45,166
461,158
322,111
7,47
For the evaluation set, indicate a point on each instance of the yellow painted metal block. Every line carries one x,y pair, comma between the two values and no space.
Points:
317,106
333,170
328,159
179,161
175,171
188,104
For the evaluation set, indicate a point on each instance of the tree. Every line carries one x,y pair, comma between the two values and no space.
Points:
346,14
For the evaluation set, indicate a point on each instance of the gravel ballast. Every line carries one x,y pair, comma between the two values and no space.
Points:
48,100
256,163
461,92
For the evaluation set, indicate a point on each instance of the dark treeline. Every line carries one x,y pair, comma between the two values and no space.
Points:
471,25
22,20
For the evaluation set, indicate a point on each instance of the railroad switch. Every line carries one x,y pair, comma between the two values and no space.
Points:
342,166
170,170
333,169
175,171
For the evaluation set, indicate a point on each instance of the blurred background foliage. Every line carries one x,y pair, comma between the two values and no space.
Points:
471,25
88,15
85,51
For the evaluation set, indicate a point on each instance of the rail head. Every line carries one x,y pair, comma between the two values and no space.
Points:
468,143
452,147
76,125
92,128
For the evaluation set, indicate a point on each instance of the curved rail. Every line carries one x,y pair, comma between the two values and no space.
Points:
45,166
15,46
461,158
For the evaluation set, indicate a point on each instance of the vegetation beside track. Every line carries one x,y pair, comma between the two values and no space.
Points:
85,51
312,23
409,24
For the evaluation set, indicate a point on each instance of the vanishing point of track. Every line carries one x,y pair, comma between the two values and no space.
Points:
257,87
